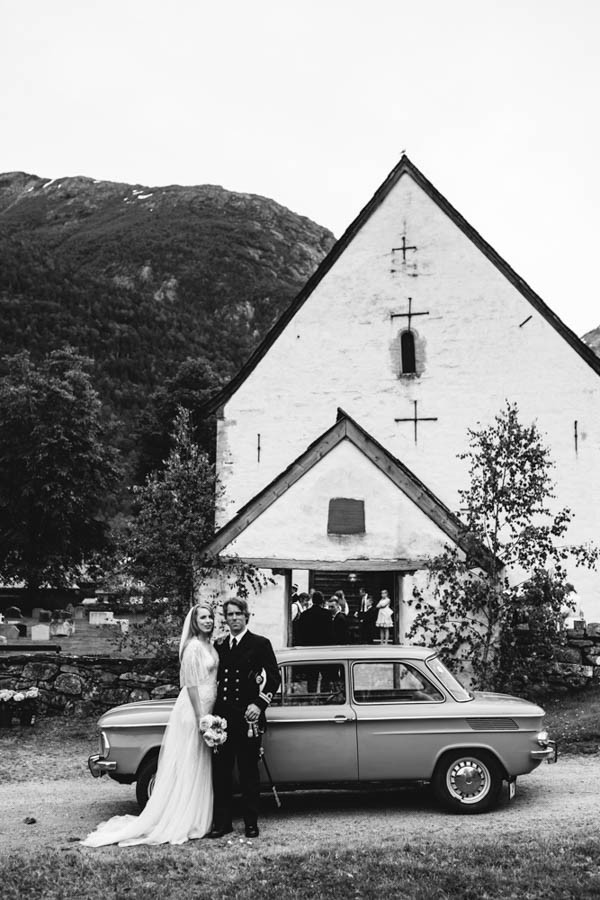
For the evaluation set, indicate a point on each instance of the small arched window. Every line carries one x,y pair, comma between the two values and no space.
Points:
407,350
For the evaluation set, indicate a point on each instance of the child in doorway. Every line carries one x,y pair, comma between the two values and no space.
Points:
384,617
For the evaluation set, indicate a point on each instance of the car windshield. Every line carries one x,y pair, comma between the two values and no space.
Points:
452,685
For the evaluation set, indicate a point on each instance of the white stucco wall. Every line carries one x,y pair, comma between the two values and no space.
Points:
395,527
267,605
341,350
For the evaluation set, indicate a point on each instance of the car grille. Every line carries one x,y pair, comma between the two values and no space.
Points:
493,724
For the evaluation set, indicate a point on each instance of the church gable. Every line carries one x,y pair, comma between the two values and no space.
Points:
345,500
418,329
406,258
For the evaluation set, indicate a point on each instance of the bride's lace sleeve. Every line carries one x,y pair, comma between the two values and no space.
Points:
194,668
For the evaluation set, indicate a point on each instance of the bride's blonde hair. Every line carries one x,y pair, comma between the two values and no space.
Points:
190,628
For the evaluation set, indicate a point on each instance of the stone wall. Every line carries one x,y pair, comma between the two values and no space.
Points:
89,685
576,664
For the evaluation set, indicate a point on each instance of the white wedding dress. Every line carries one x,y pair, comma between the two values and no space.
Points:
180,807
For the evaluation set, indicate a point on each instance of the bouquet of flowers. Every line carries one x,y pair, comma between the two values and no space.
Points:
22,703
214,731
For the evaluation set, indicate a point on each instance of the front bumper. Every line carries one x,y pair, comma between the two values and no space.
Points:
549,753
98,765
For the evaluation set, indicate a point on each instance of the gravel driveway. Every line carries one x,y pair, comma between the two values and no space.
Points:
562,797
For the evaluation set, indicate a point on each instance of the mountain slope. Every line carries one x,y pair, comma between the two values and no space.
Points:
142,278
592,339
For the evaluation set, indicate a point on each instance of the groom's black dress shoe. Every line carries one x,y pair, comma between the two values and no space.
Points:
251,830
219,832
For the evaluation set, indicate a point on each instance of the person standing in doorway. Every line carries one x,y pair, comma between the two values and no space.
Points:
315,628
341,634
385,617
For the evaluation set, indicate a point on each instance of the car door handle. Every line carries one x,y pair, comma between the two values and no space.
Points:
339,720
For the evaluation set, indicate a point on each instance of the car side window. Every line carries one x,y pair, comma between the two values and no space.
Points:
398,682
312,684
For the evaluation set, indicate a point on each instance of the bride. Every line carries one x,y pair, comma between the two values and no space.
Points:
181,805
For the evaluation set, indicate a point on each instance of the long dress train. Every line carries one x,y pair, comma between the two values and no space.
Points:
181,805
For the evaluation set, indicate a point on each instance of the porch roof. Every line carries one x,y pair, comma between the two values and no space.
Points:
344,429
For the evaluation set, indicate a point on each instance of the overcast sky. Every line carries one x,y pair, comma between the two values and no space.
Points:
311,103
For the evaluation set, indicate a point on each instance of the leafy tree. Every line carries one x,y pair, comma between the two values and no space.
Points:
174,518
506,509
55,471
195,382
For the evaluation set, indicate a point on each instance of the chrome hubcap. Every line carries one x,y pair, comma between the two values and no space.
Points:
151,786
468,780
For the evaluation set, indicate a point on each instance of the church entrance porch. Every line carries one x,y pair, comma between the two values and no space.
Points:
353,584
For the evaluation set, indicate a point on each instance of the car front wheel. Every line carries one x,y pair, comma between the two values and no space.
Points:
468,782
145,781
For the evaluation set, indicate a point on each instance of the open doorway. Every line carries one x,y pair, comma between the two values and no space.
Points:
328,582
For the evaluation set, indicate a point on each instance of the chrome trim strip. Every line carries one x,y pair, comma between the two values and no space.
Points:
311,721
455,719
118,725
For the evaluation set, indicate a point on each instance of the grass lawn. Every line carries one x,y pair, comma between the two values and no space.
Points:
420,870
574,721
53,748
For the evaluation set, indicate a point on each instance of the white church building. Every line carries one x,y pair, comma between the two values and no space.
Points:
337,442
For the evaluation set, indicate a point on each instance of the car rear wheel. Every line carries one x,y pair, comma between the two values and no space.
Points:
468,782
145,781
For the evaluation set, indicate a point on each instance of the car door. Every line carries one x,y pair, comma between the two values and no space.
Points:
311,735
401,720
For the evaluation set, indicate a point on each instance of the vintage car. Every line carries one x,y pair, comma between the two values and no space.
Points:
361,716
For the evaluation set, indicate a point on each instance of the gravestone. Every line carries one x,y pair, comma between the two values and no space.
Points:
10,632
40,632
101,617
79,613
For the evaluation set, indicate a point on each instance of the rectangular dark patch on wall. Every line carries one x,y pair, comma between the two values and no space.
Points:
346,516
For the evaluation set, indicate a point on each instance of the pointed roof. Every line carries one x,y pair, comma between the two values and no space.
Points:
404,167
346,428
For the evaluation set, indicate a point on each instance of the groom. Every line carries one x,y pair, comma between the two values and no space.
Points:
247,678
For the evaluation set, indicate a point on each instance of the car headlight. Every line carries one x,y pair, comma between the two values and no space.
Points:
542,738
104,745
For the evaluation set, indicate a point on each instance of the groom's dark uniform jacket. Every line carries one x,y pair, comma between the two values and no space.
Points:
248,673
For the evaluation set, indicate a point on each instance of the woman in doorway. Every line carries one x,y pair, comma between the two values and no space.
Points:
341,598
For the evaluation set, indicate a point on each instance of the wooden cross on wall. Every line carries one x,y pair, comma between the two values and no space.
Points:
409,315
416,419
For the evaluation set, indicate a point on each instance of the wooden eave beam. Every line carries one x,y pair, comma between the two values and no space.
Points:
401,564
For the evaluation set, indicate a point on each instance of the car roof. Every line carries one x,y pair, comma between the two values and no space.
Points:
353,651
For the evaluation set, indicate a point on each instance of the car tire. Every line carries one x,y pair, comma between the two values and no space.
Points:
468,782
145,780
